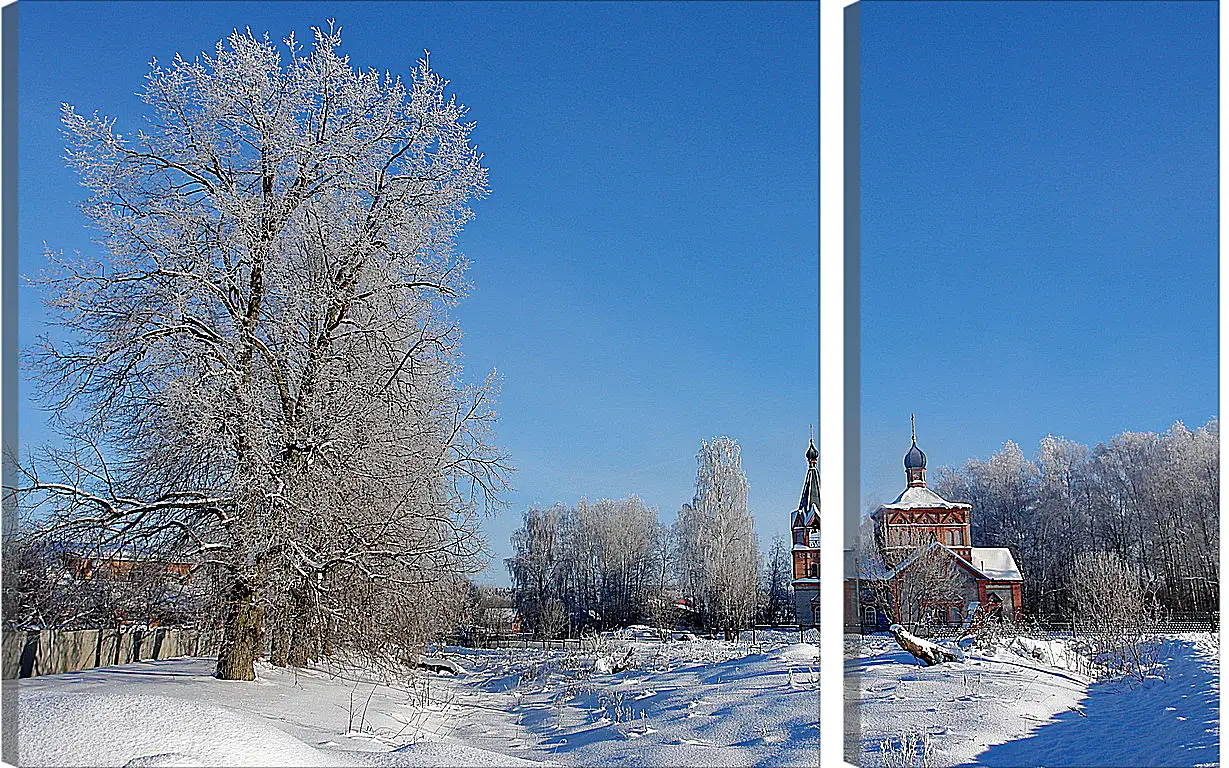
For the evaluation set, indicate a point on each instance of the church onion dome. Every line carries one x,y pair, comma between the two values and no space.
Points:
812,454
915,459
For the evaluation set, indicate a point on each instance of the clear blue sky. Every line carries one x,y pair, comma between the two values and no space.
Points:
646,271
1039,213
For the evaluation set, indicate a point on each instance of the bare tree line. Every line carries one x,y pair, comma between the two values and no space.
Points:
599,566
1148,500
612,563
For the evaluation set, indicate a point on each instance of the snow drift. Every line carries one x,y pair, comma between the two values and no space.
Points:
97,729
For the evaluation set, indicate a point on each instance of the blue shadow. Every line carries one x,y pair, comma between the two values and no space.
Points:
1170,722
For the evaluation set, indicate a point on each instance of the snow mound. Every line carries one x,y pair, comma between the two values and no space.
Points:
441,664
138,731
800,652
1052,653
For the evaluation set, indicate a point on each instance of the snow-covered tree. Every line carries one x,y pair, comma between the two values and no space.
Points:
261,373
537,567
598,563
776,584
718,554
613,561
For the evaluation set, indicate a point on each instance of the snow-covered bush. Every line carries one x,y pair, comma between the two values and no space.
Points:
615,705
1116,616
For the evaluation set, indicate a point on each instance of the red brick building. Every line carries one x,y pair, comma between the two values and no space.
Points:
920,520
804,525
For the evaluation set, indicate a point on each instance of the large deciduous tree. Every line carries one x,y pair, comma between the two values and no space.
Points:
261,372
718,555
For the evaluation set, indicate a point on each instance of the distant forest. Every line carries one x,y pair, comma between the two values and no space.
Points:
1150,499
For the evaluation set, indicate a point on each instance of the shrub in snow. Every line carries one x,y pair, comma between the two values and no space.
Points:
617,708
1117,612
908,750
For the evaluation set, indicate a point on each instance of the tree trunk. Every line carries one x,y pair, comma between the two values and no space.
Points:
241,635
304,637
300,648
279,644
326,637
925,651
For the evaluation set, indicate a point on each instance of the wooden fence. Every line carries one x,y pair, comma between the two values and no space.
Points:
50,652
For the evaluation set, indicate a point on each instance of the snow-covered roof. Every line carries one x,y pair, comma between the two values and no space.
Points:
991,563
917,497
996,563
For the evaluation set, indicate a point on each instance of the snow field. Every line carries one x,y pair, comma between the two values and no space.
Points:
1027,705
699,702
175,713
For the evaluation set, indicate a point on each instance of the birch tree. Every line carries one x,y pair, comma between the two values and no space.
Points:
718,556
537,569
261,371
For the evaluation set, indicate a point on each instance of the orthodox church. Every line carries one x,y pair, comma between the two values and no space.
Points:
989,580
805,529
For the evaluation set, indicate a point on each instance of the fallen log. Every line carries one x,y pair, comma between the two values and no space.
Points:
925,651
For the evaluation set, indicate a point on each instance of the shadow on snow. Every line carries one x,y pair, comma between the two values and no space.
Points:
1170,722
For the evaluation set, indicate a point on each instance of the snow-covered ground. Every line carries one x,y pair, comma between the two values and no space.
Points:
1027,707
699,702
